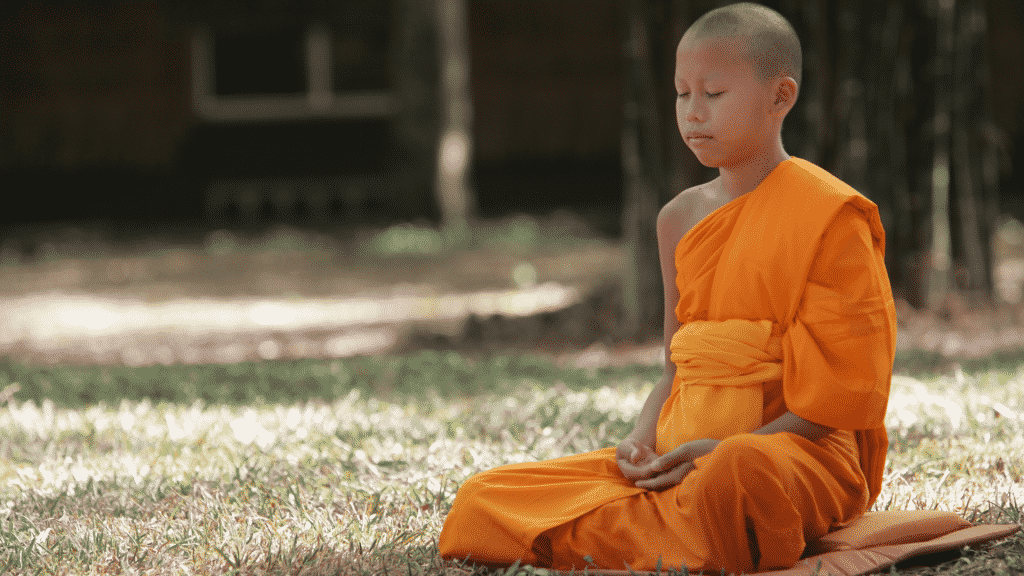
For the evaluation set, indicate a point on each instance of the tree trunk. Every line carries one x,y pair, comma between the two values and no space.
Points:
454,154
644,178
817,80
417,80
993,141
974,231
851,97
903,255
941,257
889,159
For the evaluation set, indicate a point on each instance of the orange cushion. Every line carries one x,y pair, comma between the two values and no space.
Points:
889,527
874,542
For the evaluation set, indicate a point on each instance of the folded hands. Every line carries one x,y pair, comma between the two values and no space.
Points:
641,465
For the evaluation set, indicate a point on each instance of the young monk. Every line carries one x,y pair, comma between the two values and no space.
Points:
766,429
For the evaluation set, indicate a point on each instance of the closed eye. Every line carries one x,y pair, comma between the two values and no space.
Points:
715,94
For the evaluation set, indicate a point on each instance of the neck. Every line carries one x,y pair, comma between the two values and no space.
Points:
744,177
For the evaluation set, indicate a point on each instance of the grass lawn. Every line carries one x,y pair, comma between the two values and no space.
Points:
349,466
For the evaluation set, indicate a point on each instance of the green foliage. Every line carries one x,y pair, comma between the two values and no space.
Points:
515,234
406,239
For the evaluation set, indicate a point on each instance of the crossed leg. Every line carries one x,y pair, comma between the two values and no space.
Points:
752,504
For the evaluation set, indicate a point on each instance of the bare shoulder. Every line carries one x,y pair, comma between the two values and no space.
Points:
688,208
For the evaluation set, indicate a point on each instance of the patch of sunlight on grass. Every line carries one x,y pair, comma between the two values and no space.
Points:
957,443
173,488
361,483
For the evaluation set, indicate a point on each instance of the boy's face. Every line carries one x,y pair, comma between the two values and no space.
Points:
722,107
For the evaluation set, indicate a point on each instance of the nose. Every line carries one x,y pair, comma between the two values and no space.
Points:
695,110
690,109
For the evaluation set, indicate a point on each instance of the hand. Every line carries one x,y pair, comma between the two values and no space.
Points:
632,456
669,469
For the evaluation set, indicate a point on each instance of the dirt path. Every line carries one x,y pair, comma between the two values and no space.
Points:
296,295
57,327
285,294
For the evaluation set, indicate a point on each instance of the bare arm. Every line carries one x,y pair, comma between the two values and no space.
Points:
790,422
673,222
646,428
670,469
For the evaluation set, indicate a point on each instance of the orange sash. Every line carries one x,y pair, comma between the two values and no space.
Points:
721,367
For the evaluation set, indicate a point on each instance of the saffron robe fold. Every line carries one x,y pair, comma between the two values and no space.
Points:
803,253
720,370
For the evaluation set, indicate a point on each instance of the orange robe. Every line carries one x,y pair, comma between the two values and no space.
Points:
802,255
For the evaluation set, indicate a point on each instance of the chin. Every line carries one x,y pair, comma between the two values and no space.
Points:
707,161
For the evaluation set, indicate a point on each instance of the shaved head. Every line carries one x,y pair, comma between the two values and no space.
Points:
772,45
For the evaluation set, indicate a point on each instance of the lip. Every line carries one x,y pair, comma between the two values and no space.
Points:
696,139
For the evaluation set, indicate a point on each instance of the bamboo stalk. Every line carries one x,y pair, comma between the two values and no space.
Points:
892,148
816,79
940,261
964,156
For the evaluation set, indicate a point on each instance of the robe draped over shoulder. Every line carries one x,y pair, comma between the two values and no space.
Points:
837,322
785,284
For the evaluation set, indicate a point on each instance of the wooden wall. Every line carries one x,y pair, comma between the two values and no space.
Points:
91,85
547,89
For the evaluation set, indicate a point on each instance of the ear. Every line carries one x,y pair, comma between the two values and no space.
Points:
784,91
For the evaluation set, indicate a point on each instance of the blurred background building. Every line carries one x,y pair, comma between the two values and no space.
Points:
317,112
298,111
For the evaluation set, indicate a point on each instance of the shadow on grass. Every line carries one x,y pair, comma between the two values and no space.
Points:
416,376
920,363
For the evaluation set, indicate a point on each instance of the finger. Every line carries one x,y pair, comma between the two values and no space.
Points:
639,472
633,472
672,459
628,469
624,451
648,453
647,468
664,481
667,480
645,457
634,456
